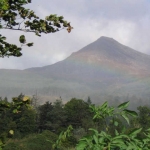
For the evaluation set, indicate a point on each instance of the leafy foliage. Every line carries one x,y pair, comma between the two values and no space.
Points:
100,127
103,140
16,116
28,21
76,110
144,116
62,138
3,4
44,116
43,141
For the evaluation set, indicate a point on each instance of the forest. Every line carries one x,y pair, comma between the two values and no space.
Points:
77,124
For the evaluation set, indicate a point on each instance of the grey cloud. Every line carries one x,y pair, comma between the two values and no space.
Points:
111,9
119,9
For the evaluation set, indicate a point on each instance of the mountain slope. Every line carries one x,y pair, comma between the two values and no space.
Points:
101,68
103,59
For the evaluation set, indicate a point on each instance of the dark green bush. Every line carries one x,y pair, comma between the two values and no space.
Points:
41,141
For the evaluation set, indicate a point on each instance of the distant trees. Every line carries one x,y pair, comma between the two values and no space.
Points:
76,110
94,126
22,118
56,115
25,121
51,116
58,121
144,116
44,116
89,100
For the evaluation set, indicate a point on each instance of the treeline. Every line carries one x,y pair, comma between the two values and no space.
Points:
29,126
54,117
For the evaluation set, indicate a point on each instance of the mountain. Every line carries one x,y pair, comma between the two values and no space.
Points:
104,67
96,60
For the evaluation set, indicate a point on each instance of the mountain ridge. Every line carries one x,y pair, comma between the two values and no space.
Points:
101,68
105,51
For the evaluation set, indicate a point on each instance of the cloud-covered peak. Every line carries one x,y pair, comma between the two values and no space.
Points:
105,38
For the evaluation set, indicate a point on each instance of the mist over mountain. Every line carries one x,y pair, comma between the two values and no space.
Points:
104,67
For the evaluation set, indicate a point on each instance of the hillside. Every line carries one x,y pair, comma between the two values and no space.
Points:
104,67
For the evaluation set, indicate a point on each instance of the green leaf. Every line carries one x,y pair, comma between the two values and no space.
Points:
29,44
117,142
121,137
126,118
3,38
15,111
148,130
135,132
123,105
1,143
116,123
116,132
94,130
81,145
104,105
95,139
131,113
22,39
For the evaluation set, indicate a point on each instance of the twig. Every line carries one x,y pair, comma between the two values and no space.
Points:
25,30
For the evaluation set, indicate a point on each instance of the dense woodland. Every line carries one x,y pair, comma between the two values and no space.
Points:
27,125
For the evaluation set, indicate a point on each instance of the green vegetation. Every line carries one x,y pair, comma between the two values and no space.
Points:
11,10
122,139
76,125
40,141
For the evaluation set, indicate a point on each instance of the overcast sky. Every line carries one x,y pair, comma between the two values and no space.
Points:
127,21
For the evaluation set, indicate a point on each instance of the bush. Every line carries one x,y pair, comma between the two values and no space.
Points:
43,141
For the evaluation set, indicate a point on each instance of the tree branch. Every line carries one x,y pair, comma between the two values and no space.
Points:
25,30
21,23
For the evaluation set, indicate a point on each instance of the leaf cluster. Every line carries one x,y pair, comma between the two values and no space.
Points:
104,141
62,137
14,16
121,140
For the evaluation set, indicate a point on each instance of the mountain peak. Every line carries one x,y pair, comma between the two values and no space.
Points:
102,44
104,38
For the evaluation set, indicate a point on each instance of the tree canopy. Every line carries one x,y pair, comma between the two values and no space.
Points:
15,16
